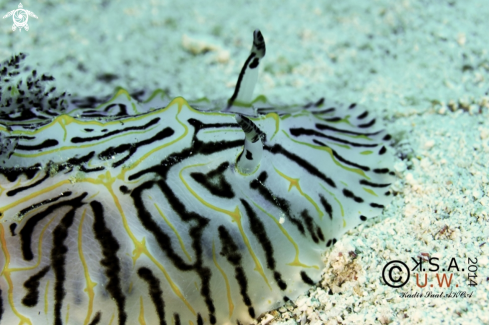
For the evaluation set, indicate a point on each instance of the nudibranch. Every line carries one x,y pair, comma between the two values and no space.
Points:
138,209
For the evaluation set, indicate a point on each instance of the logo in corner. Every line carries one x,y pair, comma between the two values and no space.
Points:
20,17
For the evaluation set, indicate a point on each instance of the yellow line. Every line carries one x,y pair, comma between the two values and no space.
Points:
174,231
82,146
370,191
39,250
31,196
67,313
112,319
90,283
339,203
277,123
141,312
296,261
294,182
180,105
140,247
224,130
160,92
6,274
228,288
46,301
235,216
330,152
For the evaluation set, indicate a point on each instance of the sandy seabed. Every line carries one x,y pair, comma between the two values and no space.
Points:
422,66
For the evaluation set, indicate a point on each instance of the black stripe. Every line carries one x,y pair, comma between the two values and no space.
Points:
320,234
132,147
32,286
26,232
83,159
349,194
13,173
164,241
12,227
21,137
301,131
90,170
375,205
40,204
327,207
20,189
240,79
176,318
254,64
281,203
325,111
307,279
69,164
198,147
155,292
46,144
58,259
96,319
260,42
330,128
367,125
249,155
198,125
106,135
109,246
215,182
362,116
301,162
258,230
364,182
340,158
25,114
230,250
319,102
309,225
332,119
122,109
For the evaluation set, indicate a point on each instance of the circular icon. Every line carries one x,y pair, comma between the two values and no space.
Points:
20,18
399,280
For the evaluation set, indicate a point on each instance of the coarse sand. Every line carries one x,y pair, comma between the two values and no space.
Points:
421,66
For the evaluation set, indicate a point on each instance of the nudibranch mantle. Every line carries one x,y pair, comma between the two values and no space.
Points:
158,211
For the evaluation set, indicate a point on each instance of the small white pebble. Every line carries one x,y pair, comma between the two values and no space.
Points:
267,319
484,133
429,144
477,194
